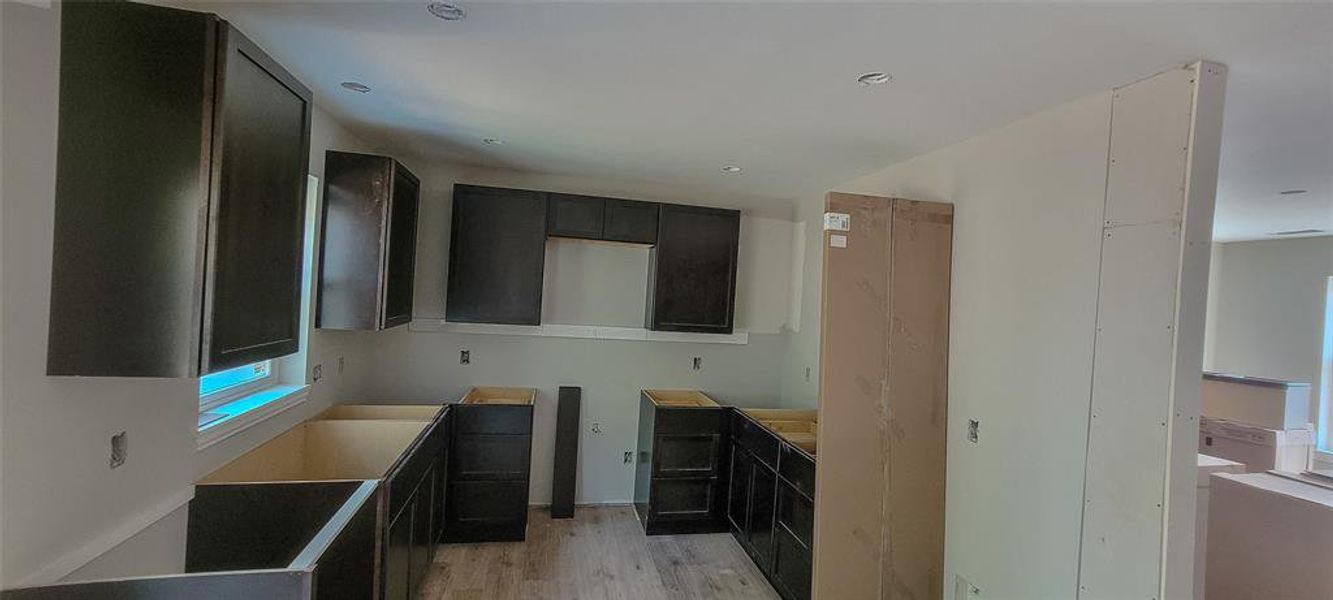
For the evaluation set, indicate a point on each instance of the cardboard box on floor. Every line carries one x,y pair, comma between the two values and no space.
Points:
1268,537
1259,448
1257,401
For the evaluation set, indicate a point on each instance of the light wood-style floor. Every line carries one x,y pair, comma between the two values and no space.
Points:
601,553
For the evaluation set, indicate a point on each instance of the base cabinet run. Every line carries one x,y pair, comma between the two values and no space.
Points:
770,505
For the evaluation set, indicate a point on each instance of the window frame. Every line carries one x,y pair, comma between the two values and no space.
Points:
226,395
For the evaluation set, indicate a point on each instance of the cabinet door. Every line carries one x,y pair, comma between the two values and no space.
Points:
419,555
397,557
692,270
630,221
759,529
792,566
575,216
261,146
400,264
497,255
738,489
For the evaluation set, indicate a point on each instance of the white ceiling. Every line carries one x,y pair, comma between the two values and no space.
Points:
670,92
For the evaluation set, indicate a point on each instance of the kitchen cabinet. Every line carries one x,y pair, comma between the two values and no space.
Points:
574,216
369,234
489,466
770,498
606,219
631,221
692,270
497,256
680,474
400,447
320,546
180,196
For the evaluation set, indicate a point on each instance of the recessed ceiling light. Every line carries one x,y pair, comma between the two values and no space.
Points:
731,169
874,78
446,11
355,86
1290,192
492,141
1297,232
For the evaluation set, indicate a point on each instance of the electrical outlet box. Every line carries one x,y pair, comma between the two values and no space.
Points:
973,430
464,357
119,448
629,457
697,363
317,372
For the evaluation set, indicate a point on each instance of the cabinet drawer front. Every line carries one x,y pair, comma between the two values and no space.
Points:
798,469
797,514
792,567
690,420
487,501
683,498
758,441
491,457
573,216
511,420
630,221
686,455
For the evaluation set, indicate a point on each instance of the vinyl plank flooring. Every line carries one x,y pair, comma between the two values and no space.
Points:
600,554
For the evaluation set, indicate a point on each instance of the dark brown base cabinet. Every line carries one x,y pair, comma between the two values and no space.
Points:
770,505
489,466
679,478
319,546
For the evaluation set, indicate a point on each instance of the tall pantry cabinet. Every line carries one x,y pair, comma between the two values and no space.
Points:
883,376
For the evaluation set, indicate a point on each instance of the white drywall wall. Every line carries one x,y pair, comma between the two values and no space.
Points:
1266,313
599,284
1030,208
1027,240
62,505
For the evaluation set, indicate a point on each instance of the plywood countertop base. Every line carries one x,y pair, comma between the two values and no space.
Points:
507,396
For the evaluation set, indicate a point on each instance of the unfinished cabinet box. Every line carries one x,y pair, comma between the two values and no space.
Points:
180,196
692,270
497,256
1269,403
679,484
489,465
369,241
403,455
320,545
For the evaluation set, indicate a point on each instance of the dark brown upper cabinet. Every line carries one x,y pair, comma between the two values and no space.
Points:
368,260
573,216
692,270
497,256
607,219
630,221
180,196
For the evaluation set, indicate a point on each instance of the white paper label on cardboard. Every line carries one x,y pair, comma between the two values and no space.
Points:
837,222
837,241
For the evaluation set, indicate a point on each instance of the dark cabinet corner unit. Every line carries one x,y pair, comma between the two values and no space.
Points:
369,236
181,172
489,466
497,256
692,270
679,478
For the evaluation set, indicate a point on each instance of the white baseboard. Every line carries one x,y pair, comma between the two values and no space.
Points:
61,567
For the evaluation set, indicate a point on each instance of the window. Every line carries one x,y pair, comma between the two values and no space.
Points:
232,400
1326,373
232,378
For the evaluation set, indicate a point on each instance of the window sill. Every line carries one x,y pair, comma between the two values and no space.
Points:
249,410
